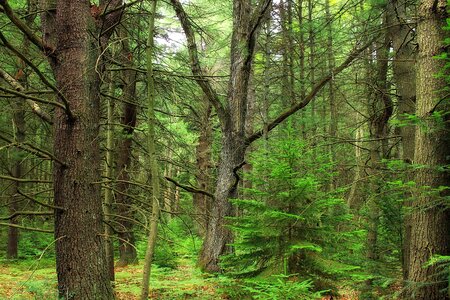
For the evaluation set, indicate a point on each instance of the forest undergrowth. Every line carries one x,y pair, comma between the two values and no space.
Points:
31,279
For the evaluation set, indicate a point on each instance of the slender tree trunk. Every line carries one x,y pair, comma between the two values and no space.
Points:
16,172
331,94
202,203
19,126
380,111
107,205
405,80
127,250
430,220
312,64
151,147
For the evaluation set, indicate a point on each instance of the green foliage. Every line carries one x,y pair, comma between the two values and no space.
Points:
274,287
32,244
289,219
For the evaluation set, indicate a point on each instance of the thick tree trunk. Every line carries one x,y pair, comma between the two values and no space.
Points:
430,220
233,121
218,236
80,257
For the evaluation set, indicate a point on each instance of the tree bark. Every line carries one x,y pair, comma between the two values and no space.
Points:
127,250
107,205
430,220
403,66
202,203
232,115
80,257
151,148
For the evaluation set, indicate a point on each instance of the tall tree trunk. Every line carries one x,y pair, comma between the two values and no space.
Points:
127,250
430,220
233,114
107,205
202,203
80,257
16,172
151,148
403,65
19,126
331,93
312,65
245,29
380,110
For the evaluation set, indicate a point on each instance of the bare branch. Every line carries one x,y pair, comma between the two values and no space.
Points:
33,149
18,87
25,96
196,69
189,188
24,180
27,213
32,66
48,50
299,105
26,228
39,202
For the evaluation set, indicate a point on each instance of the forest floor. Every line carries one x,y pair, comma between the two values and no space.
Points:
23,280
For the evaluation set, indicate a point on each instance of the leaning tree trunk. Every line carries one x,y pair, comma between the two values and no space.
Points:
430,220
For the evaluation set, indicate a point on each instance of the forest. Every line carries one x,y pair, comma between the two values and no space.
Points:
242,149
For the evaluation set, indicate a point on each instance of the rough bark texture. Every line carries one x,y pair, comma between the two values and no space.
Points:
80,257
430,222
246,23
232,115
